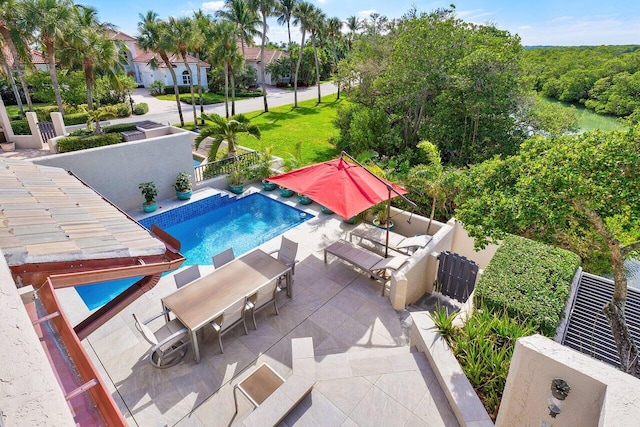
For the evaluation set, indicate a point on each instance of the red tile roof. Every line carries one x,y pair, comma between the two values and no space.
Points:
145,56
252,54
37,57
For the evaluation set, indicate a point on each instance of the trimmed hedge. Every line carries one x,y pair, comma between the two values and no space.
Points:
75,143
20,127
530,280
141,108
120,127
123,110
76,119
44,113
168,90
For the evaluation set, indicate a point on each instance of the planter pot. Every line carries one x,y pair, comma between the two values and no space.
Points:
184,195
326,210
8,146
268,186
149,207
304,200
236,189
376,223
285,192
351,220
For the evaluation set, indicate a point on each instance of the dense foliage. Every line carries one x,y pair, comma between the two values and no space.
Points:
528,280
75,143
605,79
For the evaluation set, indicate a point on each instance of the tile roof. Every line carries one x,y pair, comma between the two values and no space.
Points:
252,54
37,57
144,56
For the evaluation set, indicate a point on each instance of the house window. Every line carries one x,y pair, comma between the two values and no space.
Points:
186,79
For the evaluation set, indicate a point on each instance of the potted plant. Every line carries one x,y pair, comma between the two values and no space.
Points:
183,186
264,168
381,218
293,161
149,191
304,200
237,175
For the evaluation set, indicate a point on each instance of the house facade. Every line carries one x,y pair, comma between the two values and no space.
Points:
252,58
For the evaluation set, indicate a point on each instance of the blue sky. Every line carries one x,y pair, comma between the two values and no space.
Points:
538,22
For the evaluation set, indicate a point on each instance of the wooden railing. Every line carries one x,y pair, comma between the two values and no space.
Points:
225,166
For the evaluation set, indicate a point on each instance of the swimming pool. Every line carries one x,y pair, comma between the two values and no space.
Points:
207,227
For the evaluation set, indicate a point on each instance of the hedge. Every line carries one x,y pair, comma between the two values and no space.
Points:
168,90
75,143
120,127
76,119
141,108
20,127
44,113
531,281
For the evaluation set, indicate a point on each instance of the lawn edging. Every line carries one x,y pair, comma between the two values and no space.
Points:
464,401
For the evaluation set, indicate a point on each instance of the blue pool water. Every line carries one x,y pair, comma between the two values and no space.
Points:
208,227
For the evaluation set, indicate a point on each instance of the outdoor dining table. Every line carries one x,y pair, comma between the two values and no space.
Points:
204,299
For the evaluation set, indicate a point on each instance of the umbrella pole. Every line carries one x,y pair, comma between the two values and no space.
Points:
386,246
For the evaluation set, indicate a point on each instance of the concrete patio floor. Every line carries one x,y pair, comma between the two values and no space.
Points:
366,373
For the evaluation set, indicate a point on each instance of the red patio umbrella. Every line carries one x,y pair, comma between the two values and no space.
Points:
344,186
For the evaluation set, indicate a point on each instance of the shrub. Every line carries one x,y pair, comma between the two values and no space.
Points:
44,113
123,110
120,127
76,119
75,143
81,132
169,90
530,280
156,88
20,127
141,108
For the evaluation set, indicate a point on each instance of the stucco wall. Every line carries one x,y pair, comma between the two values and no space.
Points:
600,394
115,171
463,245
30,394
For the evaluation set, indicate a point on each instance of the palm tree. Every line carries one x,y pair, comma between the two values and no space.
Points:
316,27
266,8
225,130
54,21
225,52
334,26
153,37
285,8
303,14
181,34
10,11
203,37
240,13
353,24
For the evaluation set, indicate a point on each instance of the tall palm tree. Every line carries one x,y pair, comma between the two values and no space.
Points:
266,8
54,21
153,37
315,28
303,14
245,18
225,130
353,24
334,27
285,8
203,37
10,11
181,34
225,52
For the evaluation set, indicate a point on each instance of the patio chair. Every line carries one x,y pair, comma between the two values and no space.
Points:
262,298
375,265
187,275
287,255
223,258
169,342
456,276
231,317
397,242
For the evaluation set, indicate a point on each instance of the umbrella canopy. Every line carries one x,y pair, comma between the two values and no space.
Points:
344,187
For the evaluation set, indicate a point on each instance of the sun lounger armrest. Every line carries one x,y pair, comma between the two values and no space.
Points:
392,263
421,241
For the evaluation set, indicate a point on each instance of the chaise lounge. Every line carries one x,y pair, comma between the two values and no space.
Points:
397,242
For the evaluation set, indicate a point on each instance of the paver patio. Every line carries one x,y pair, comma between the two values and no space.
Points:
366,372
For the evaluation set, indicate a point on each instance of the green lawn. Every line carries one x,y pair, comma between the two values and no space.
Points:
310,123
14,112
209,98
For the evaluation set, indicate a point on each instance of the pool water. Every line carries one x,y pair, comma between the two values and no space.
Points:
242,225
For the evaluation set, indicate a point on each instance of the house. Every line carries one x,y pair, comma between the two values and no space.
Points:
139,66
39,61
252,58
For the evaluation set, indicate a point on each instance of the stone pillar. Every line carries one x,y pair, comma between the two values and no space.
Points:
36,140
58,123
5,124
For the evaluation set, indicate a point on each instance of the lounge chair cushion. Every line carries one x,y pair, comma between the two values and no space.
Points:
420,241
368,261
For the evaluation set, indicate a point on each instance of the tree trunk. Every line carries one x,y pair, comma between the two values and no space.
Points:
54,77
12,80
289,49
17,65
165,58
183,53
199,88
335,63
315,53
433,213
233,92
88,78
226,90
295,81
262,64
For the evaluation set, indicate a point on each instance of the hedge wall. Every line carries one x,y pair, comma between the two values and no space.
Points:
168,90
530,280
20,127
75,143
120,127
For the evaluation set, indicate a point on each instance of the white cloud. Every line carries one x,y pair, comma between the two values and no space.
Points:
366,12
562,19
464,13
322,1
525,27
212,6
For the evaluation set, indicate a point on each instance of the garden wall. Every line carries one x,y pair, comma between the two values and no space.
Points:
115,171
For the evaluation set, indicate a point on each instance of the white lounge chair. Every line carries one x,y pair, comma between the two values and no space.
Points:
397,242
375,265
169,342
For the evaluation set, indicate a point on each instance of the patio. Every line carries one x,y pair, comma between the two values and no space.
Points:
366,372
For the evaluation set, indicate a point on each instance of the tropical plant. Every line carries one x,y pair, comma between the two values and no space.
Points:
225,53
334,26
293,160
316,26
266,8
149,192
203,38
353,24
445,322
284,10
99,114
183,182
180,32
303,14
245,19
225,130
429,177
156,88
238,173
265,157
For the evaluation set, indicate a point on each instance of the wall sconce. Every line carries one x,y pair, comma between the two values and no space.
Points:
559,392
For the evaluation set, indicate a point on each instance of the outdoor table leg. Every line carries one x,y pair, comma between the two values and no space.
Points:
194,342
166,315
289,279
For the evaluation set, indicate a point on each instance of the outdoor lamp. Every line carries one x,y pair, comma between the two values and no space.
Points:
559,391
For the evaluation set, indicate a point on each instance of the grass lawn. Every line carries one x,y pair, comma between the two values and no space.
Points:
209,98
282,127
14,112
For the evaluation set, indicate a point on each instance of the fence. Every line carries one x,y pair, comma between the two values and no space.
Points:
225,166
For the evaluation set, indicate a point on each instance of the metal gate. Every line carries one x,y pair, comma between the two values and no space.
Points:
456,276
46,130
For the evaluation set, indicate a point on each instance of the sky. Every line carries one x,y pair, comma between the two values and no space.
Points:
537,22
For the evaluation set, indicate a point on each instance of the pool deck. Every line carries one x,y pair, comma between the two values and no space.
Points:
366,374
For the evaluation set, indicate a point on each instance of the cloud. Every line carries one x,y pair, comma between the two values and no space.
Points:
463,13
366,12
322,1
525,27
212,6
562,19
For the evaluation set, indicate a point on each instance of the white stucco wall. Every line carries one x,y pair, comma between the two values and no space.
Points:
29,392
600,395
149,75
115,171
